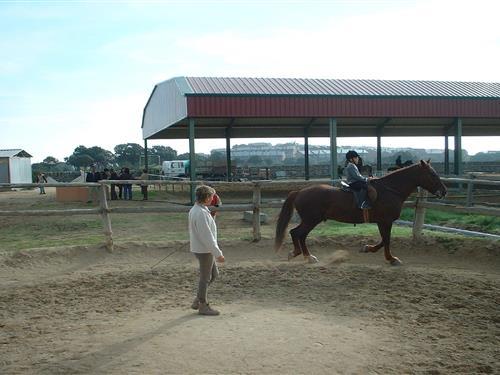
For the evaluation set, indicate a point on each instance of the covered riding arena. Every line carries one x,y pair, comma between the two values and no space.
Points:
207,107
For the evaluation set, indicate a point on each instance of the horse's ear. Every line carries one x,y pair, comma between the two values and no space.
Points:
423,163
429,161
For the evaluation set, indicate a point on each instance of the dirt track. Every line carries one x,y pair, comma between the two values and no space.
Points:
82,310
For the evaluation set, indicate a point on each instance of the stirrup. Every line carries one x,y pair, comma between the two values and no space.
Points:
365,205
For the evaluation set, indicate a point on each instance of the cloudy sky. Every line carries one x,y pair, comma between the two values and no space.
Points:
80,72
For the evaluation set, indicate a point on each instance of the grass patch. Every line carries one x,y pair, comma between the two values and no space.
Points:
480,223
46,231
333,228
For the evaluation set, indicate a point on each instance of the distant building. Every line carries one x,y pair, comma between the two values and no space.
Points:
15,167
264,150
431,151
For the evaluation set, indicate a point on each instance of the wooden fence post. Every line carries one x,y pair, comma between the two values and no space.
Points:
106,217
256,212
418,221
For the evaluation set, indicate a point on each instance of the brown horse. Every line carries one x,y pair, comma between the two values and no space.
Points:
318,203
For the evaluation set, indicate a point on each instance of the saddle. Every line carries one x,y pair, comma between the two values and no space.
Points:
360,197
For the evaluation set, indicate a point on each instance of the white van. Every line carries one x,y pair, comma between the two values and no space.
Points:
175,168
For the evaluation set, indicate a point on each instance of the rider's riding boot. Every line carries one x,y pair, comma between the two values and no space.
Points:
205,309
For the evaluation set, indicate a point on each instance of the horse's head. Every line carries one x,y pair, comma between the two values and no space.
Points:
429,180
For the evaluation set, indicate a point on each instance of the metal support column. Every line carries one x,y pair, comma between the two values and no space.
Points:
306,153
446,154
457,161
334,173
379,150
229,175
192,159
146,164
379,131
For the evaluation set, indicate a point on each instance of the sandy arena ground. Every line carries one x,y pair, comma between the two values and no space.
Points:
81,310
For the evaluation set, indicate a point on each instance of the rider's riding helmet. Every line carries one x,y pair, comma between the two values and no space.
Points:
351,154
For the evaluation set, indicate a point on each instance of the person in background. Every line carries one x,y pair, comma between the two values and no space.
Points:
93,176
105,175
120,186
127,188
41,179
113,176
144,186
203,243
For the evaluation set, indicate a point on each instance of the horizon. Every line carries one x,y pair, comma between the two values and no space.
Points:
80,72
350,146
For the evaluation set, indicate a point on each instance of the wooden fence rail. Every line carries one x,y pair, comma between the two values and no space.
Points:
105,211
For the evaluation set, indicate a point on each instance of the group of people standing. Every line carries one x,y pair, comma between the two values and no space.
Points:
124,190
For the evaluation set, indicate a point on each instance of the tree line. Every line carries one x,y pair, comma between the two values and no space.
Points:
131,155
125,155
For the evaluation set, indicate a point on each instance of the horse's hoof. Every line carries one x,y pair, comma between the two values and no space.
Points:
312,259
396,262
290,255
364,249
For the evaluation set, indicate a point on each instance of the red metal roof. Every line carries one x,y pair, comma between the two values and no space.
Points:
380,107
339,87
276,107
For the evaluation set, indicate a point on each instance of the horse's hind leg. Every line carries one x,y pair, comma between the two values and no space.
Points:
299,235
296,244
306,229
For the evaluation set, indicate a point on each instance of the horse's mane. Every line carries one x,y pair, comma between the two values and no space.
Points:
395,175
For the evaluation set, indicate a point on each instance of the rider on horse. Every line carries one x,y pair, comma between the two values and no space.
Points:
356,181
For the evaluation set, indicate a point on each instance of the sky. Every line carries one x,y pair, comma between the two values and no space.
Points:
80,72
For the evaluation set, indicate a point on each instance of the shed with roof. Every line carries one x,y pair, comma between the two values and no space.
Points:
212,107
15,166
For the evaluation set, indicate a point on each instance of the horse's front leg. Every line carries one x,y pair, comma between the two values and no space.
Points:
385,232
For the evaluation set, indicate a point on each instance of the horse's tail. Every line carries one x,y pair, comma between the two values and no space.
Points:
283,219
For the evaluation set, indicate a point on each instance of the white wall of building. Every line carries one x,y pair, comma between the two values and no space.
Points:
20,170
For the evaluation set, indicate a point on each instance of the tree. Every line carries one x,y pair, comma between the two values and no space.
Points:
164,152
85,157
103,158
128,154
80,158
50,160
